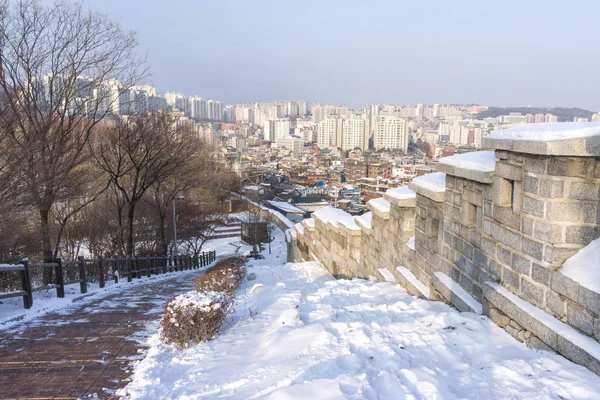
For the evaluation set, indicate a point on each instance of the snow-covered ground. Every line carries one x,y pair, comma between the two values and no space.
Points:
304,335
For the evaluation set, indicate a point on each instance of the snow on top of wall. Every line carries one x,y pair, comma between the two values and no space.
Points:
579,339
380,204
401,193
584,266
544,132
299,228
350,223
366,220
330,214
435,182
387,275
413,280
309,222
411,243
460,292
483,161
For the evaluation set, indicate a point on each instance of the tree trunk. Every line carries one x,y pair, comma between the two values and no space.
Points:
162,233
46,245
130,219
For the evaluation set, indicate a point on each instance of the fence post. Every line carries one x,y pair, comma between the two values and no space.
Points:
116,271
149,272
196,263
163,264
129,261
214,255
82,281
60,279
26,284
101,282
203,259
138,268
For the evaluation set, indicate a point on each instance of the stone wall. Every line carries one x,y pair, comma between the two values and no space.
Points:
492,240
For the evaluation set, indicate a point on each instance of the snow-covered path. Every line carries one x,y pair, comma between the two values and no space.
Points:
304,335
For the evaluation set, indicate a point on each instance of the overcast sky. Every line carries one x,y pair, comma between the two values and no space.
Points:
526,52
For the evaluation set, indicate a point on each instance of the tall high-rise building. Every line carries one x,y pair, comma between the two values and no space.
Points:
197,107
329,130
276,129
391,133
214,110
353,133
281,128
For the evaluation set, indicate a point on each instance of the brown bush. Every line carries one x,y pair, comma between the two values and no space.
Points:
225,276
198,315
194,317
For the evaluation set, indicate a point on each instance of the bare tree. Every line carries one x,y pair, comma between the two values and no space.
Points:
136,154
61,67
197,224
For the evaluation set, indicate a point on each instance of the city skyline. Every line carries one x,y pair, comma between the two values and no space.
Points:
383,53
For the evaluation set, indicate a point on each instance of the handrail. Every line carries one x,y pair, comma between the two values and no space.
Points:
100,270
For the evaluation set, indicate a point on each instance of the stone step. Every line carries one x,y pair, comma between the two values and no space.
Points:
454,294
558,336
410,282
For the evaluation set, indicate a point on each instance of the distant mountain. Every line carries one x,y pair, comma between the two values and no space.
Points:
563,114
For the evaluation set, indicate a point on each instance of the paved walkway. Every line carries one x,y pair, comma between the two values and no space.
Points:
84,350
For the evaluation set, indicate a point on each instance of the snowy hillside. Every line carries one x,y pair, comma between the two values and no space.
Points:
304,335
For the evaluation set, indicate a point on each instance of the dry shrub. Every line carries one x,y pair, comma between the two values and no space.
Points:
194,317
225,276
198,315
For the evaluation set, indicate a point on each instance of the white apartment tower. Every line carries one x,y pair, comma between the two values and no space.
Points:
281,128
353,134
328,132
391,133
276,129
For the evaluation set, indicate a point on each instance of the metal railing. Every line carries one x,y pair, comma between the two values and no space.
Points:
99,270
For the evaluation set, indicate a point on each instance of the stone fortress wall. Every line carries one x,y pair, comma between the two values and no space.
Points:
489,233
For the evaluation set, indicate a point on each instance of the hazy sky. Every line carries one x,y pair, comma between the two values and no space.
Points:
526,52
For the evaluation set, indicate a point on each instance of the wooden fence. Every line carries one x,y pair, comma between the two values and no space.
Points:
99,270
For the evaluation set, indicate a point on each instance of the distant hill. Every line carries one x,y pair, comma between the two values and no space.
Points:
564,114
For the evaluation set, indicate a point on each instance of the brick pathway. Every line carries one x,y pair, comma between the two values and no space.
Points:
84,350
